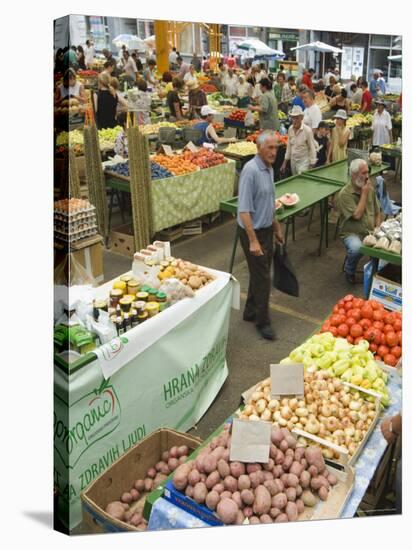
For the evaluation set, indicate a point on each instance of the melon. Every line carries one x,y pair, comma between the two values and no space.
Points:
289,199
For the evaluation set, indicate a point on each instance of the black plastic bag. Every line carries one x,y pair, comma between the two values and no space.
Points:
284,277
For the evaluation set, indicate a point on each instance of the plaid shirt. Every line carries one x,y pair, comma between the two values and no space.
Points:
287,93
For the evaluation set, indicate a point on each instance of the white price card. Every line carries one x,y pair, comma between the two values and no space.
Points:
287,380
250,440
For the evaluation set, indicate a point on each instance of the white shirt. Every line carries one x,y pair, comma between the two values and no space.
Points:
381,124
172,57
312,116
231,85
189,76
130,67
88,55
301,145
327,78
243,89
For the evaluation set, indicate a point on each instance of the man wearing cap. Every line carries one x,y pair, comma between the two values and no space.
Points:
197,98
381,124
359,213
312,114
208,131
300,149
339,137
257,225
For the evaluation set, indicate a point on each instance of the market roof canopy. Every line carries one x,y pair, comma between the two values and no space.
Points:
318,47
395,57
131,41
257,48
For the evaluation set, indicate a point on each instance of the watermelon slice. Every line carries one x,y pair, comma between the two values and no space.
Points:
289,199
278,204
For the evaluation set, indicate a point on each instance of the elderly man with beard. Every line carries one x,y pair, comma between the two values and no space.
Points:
359,213
257,226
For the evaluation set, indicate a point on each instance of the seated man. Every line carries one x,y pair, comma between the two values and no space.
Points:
359,213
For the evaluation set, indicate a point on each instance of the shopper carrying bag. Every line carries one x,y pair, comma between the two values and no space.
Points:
284,277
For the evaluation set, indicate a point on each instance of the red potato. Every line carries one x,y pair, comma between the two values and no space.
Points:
265,518
290,452
139,485
218,452
323,493
219,488
325,483
276,436
173,452
251,468
148,485
151,472
199,463
230,484
227,511
116,510
142,526
272,487
291,511
180,478
240,518
223,468
291,441
209,464
226,455
299,453
159,479
269,465
292,480
172,464
280,457
304,463
315,458
254,479
247,497
273,451
212,500
165,470
248,511
136,519
285,432
296,468
193,477
165,456
287,463
283,445
274,512
308,498
279,485
237,499
125,505
313,471
127,498
304,479
253,520
182,459
291,494
183,450
225,494
212,479
316,483
282,518
160,465
200,492
277,471
267,476
135,494
243,482
223,439
284,478
332,479
189,491
262,503
203,478
237,469
300,506
299,490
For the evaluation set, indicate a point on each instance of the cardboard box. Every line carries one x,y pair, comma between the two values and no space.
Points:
386,292
121,240
171,233
192,228
119,478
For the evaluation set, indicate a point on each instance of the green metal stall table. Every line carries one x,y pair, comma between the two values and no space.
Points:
311,191
339,171
396,153
180,199
377,254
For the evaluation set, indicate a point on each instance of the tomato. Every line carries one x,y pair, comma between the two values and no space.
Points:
348,306
373,347
325,327
371,334
356,330
399,333
398,315
387,328
365,323
342,311
341,303
367,312
383,350
348,298
357,340
389,318
356,314
383,338
334,331
335,309
397,325
390,359
396,351
335,320
378,357
343,330
391,339
378,324
349,339
374,304
358,302
378,315
350,321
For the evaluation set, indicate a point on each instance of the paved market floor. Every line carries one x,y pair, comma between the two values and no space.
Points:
321,281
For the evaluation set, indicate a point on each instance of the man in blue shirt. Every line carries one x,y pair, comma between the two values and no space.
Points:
375,85
298,99
257,224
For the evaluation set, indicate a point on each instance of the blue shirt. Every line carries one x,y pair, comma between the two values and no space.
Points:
297,100
376,85
256,193
203,126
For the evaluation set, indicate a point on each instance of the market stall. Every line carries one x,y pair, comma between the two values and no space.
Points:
164,372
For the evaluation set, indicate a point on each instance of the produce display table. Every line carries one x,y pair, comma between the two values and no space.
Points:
169,371
165,515
241,129
311,191
181,199
377,254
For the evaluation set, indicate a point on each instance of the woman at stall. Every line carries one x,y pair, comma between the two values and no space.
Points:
105,102
173,100
339,137
70,88
329,88
197,98
81,60
381,124
190,75
143,103
122,106
321,99
209,134
339,100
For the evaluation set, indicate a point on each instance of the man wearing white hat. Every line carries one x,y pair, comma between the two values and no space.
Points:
209,134
301,149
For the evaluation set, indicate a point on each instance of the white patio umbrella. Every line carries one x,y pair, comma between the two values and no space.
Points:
257,48
318,46
131,41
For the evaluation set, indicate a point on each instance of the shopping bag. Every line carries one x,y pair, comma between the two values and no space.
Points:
284,277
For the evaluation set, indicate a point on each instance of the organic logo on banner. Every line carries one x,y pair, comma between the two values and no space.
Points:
113,348
96,415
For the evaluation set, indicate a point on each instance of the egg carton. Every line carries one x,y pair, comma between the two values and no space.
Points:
77,236
72,230
78,214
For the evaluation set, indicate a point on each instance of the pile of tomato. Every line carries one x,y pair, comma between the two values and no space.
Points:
208,88
204,158
356,319
283,140
238,115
